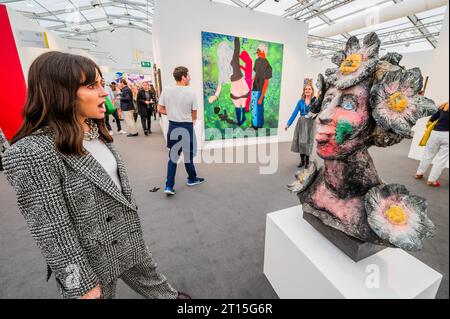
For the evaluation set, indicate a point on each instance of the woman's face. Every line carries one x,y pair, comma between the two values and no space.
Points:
91,100
308,91
343,123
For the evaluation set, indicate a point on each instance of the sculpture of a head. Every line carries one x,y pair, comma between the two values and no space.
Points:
367,100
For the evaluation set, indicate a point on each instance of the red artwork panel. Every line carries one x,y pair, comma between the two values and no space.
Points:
13,88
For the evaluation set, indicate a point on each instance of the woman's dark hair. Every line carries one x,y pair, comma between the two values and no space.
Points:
152,88
52,102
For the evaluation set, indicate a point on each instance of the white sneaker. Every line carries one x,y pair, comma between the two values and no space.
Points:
111,133
122,132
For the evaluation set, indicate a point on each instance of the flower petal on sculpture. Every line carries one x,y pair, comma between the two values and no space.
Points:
352,46
396,106
393,58
398,217
391,81
378,95
344,81
383,68
321,86
338,58
371,46
331,71
426,106
411,82
390,120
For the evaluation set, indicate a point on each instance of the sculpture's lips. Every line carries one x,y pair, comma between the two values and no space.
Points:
323,138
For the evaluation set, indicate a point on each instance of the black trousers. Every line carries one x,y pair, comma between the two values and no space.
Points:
146,120
116,117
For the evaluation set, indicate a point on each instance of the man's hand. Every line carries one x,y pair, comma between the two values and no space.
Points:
260,101
286,128
147,102
95,293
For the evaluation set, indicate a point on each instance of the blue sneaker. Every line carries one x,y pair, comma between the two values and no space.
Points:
169,191
196,181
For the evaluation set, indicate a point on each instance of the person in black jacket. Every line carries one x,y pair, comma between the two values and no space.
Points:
146,99
155,102
126,104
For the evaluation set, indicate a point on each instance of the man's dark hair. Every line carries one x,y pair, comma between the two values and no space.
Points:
113,83
179,72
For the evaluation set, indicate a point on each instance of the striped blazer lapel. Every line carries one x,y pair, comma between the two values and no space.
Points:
92,170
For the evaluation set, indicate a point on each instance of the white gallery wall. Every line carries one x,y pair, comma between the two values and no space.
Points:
177,27
28,54
437,69
118,51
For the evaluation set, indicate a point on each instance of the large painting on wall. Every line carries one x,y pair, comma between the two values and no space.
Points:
241,85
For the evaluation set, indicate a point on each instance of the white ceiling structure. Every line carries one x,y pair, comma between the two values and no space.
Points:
80,19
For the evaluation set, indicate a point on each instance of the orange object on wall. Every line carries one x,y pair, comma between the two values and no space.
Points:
13,86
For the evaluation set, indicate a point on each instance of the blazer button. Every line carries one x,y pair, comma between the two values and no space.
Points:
114,242
109,219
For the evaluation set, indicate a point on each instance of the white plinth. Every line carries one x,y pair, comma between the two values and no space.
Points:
300,263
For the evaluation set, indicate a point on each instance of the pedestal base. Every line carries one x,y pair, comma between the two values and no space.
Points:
301,263
352,247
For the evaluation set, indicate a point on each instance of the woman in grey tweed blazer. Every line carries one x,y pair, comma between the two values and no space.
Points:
86,225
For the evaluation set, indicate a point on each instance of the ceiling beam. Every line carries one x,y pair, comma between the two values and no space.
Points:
239,3
420,27
260,2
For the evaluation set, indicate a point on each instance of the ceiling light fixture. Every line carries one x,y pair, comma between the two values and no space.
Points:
95,3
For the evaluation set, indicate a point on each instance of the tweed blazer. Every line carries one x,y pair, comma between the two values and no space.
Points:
88,231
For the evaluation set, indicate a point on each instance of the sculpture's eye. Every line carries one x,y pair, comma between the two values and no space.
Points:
349,103
326,102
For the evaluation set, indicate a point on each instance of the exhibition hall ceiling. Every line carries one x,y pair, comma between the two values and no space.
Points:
80,19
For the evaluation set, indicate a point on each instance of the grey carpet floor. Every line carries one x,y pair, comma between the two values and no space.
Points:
208,240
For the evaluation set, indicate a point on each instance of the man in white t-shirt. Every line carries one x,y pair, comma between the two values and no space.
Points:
179,103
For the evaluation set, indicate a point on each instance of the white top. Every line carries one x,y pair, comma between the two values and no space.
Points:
110,93
179,102
105,158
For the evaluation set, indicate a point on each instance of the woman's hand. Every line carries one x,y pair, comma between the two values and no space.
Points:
286,128
93,294
212,99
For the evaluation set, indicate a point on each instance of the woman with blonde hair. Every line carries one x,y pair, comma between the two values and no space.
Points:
436,148
303,141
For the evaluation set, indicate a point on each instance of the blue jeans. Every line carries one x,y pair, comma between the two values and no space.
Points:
180,138
257,110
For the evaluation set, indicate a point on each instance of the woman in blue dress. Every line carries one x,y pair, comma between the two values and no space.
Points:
303,140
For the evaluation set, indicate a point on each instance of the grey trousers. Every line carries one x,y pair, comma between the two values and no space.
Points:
145,280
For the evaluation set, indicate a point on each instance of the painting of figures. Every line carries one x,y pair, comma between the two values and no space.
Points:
241,84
